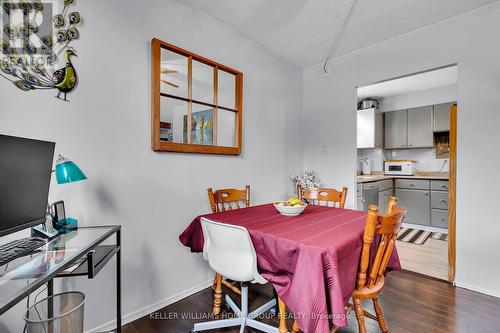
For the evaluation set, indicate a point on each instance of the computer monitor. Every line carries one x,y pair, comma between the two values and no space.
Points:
25,171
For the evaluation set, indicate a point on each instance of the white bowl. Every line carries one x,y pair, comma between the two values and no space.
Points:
290,210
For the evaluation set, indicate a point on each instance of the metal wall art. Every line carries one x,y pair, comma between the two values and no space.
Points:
35,44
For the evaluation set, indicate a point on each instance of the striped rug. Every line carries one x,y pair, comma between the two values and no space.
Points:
413,236
439,236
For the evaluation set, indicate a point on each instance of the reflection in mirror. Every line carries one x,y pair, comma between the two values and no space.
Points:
227,90
202,125
226,124
203,82
172,117
174,74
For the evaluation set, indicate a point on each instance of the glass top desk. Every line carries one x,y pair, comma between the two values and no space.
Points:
76,253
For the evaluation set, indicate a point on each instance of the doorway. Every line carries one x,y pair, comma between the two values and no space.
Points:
406,147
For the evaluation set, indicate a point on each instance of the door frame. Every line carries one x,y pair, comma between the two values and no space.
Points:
452,195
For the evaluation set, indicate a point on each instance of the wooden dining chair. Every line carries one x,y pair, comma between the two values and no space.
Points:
384,229
228,199
329,196
220,201
369,284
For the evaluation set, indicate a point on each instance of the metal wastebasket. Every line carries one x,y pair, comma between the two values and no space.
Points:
61,313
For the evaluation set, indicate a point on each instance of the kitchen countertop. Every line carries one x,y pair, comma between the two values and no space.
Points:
420,175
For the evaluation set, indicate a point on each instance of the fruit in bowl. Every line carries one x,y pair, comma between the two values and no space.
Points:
291,207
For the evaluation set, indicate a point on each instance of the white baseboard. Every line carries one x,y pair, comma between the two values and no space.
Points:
489,292
151,308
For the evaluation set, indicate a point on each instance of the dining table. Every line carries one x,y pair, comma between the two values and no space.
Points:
311,259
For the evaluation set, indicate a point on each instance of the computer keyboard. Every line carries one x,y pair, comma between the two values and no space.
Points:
19,248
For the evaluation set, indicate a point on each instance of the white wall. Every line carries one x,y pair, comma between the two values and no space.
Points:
426,97
106,130
466,40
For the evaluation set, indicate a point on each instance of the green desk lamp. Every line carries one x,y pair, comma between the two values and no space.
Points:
66,172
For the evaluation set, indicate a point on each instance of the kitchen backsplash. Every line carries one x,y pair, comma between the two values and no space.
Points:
425,157
375,155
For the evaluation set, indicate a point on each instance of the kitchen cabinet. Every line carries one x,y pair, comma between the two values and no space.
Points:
439,200
360,203
418,204
370,129
374,193
359,197
442,117
383,198
396,124
413,184
385,185
385,191
426,201
439,203
420,129
439,185
412,128
439,218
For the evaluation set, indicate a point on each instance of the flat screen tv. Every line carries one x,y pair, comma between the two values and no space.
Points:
25,171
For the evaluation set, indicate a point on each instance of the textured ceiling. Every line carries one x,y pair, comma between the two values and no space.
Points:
303,31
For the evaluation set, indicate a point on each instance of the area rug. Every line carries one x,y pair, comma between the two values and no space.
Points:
413,236
440,236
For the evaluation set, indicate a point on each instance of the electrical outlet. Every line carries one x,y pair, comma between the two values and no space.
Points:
324,149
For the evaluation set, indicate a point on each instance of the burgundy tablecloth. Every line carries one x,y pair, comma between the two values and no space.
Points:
311,259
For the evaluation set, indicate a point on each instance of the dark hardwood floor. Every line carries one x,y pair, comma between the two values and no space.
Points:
411,303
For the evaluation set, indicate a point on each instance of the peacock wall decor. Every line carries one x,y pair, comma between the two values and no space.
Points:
36,46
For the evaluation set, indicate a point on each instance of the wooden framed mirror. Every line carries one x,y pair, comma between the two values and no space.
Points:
196,103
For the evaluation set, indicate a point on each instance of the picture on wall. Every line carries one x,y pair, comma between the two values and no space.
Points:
201,127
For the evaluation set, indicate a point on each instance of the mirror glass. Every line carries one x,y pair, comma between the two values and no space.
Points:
172,114
226,125
203,82
173,74
227,90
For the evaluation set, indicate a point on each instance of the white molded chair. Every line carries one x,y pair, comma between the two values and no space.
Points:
230,252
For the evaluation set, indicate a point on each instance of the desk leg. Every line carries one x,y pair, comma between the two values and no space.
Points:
118,283
50,304
217,294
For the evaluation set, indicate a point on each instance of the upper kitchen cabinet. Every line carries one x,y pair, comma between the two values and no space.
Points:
420,130
396,124
409,128
442,117
370,129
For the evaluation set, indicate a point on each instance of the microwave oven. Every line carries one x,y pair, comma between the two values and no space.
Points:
400,167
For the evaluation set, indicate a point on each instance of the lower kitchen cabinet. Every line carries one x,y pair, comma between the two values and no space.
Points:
359,197
360,203
383,198
439,200
418,203
439,218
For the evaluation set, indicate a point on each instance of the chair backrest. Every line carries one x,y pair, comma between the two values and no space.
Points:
329,196
229,251
384,229
228,199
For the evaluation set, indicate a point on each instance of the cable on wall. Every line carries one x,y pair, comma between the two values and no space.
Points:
337,37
